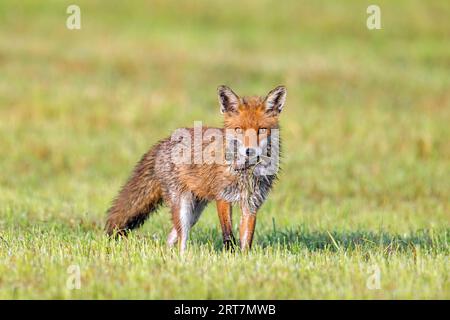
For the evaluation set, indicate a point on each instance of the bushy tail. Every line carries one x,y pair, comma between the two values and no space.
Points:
139,197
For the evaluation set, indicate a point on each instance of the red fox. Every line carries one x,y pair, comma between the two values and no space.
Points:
234,164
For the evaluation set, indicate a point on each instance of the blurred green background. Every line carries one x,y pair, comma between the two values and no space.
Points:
365,133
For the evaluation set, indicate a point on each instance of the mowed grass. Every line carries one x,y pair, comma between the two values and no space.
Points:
365,181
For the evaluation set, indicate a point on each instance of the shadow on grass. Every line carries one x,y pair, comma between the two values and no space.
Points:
299,238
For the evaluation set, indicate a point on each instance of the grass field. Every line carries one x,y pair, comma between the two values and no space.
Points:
365,185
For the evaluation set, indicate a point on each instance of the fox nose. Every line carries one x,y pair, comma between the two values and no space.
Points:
250,152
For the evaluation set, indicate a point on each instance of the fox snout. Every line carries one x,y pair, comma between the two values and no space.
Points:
246,152
250,153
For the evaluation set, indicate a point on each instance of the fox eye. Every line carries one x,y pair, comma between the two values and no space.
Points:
238,130
262,130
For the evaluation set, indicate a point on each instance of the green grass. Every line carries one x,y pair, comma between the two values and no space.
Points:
366,170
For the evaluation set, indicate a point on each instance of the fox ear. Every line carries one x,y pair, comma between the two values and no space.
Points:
275,99
229,101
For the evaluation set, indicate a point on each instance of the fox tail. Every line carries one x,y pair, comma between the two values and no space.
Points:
140,196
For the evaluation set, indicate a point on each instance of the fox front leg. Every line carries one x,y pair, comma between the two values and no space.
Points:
246,228
225,217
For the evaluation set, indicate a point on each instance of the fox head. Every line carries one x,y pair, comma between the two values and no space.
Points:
251,122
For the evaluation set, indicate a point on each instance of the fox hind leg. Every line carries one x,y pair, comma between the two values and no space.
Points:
185,214
173,237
